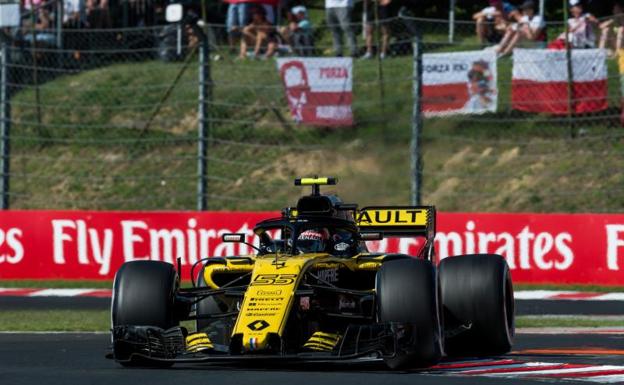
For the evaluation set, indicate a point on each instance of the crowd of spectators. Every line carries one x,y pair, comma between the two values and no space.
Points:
297,35
501,26
253,26
252,23
529,27
90,14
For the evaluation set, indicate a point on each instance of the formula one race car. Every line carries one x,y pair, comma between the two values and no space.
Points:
312,292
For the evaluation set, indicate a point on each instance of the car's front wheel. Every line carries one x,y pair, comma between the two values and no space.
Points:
407,293
143,295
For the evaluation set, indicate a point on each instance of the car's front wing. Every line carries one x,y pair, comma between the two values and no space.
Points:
146,343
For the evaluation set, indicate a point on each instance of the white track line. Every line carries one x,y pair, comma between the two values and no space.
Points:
611,297
589,369
59,292
609,379
539,294
518,364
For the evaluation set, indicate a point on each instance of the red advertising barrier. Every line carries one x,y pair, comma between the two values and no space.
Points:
540,248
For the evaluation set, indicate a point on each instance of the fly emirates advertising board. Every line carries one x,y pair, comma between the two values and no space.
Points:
539,248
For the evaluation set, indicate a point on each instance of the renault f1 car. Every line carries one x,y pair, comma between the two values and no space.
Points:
313,292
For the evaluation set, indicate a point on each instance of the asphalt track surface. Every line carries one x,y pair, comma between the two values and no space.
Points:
79,359
523,307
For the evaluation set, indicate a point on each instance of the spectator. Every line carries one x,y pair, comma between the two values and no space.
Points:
298,32
338,16
29,4
235,20
613,28
383,13
531,27
259,33
140,13
492,21
98,16
40,23
73,14
238,14
269,9
580,29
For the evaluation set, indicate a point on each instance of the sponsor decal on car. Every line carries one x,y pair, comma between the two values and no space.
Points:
258,325
328,275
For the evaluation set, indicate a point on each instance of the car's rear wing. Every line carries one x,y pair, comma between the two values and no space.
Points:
400,221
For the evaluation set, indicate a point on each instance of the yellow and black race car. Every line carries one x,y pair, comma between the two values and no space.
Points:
313,292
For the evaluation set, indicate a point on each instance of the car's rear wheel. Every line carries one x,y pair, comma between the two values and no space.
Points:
143,295
407,293
478,303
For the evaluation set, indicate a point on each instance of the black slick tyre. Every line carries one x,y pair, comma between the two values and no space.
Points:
478,305
144,295
407,293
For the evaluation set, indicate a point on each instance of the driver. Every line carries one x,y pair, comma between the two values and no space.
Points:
313,241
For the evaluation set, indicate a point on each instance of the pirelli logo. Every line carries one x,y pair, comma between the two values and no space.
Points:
392,217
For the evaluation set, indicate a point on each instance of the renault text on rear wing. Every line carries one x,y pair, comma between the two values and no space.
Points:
398,220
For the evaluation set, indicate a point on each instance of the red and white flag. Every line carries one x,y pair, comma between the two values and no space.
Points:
540,81
319,90
459,83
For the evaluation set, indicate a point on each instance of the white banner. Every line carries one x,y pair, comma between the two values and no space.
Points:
319,90
459,83
543,65
540,81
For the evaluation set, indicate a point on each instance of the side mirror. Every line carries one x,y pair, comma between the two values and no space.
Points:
233,237
174,13
238,238
371,236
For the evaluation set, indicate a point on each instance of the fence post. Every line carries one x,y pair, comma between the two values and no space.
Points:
451,33
59,24
5,126
570,73
417,123
205,95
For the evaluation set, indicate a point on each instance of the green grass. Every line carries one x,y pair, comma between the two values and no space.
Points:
61,320
588,288
55,320
567,322
507,161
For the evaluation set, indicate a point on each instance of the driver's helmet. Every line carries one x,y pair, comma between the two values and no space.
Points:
313,241
343,243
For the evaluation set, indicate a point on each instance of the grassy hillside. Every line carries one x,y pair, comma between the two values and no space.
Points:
94,149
